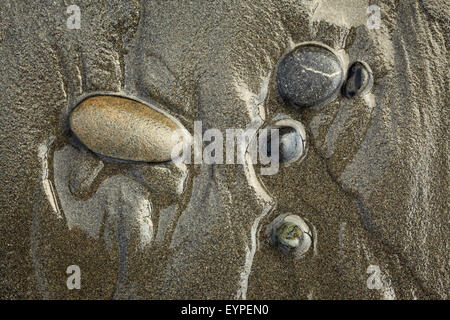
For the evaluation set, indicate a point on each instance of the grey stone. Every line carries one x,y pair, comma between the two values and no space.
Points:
308,75
290,144
359,80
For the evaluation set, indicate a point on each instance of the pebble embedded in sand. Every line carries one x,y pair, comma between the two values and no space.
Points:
124,129
359,80
308,75
290,233
291,144
292,140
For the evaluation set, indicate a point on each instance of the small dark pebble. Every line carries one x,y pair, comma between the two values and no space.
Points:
290,144
359,80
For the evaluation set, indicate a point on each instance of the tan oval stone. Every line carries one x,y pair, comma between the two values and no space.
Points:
123,128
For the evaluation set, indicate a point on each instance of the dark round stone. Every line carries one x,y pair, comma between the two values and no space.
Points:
290,144
308,75
359,80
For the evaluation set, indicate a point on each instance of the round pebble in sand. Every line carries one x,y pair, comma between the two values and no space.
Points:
309,75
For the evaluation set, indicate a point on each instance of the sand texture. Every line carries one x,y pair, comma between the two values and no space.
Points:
373,186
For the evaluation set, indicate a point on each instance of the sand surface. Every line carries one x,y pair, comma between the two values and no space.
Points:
374,185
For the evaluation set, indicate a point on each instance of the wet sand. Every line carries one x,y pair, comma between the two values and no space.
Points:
373,185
